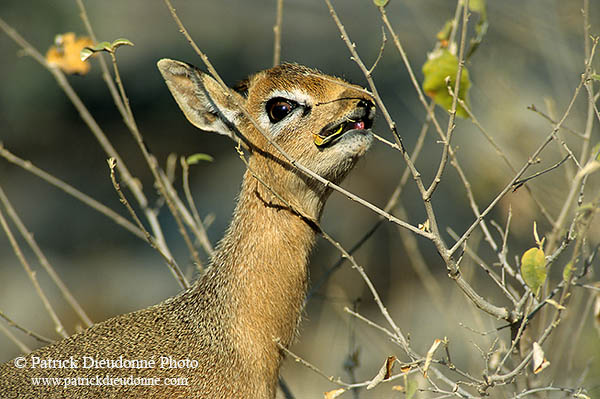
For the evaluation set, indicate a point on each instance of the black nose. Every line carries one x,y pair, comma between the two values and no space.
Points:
365,104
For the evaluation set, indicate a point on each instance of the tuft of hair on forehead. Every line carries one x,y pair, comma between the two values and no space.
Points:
287,75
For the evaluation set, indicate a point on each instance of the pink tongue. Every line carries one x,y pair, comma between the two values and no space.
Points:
358,125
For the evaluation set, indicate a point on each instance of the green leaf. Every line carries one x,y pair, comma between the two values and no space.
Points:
596,150
196,158
102,46
411,388
86,53
121,42
381,3
444,33
479,7
595,76
442,65
533,268
567,271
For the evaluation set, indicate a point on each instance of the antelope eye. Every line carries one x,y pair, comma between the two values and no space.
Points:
279,108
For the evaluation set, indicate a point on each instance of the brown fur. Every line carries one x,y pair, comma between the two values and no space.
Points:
253,292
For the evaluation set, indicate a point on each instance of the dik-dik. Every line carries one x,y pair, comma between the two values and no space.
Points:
221,335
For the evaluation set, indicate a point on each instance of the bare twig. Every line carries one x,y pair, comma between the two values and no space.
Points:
99,134
520,182
450,129
200,229
32,276
36,336
151,161
24,348
86,199
170,262
293,162
383,42
43,260
277,34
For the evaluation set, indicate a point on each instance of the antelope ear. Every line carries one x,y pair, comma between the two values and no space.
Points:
201,98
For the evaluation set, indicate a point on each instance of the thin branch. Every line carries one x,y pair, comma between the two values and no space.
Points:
72,191
43,260
569,201
383,42
563,145
391,204
151,161
201,233
509,186
99,134
326,183
22,347
477,259
277,34
400,337
103,65
360,317
32,276
36,336
450,129
170,262
520,182
502,155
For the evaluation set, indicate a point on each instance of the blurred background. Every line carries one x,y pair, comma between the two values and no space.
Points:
533,53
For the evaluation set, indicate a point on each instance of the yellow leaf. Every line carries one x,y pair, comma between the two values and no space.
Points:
65,54
334,394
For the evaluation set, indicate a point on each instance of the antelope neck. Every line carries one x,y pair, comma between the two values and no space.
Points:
262,264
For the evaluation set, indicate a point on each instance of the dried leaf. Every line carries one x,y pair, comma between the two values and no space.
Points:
65,54
425,226
539,361
441,66
429,356
335,393
533,268
384,373
391,360
405,369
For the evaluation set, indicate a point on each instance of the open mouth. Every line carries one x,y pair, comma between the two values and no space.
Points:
360,119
